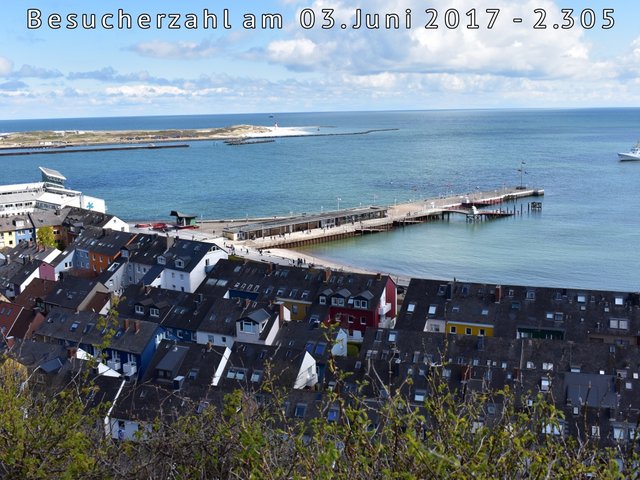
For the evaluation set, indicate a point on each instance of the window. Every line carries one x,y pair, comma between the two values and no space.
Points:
531,295
432,310
619,323
485,312
247,326
595,430
547,366
411,307
333,414
300,410
452,329
482,332
322,300
392,336
139,309
236,373
154,312
364,304
618,433
468,331
420,396
544,384
193,373
363,321
256,376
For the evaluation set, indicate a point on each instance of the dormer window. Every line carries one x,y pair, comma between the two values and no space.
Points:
161,260
154,312
139,309
179,263
322,300
364,304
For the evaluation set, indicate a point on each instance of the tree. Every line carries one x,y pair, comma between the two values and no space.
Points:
46,237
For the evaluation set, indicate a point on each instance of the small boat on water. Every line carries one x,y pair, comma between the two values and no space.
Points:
631,156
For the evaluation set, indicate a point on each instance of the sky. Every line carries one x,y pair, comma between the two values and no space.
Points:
94,72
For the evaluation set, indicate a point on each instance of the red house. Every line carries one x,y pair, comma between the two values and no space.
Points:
359,301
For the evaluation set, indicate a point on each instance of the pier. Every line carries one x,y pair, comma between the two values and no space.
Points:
52,150
310,229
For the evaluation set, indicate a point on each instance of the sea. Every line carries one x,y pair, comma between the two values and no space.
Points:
585,236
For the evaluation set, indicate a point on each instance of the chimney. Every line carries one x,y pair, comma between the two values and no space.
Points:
498,293
136,326
327,275
126,324
170,241
8,260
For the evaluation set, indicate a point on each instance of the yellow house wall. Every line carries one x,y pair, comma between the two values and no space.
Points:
302,310
7,239
461,329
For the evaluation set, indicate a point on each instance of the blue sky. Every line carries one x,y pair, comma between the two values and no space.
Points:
76,73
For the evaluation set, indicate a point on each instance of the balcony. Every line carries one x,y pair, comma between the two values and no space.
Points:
114,365
129,369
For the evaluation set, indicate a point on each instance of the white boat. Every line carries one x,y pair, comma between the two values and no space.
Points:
633,155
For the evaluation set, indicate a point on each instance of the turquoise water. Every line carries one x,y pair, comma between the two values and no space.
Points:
585,236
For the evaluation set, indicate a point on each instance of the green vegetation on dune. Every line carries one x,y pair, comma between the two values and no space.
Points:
39,139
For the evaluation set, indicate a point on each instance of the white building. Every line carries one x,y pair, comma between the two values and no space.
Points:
49,194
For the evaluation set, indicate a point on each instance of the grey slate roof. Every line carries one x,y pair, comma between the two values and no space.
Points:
102,241
81,328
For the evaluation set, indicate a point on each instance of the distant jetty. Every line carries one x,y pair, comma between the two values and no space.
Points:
54,150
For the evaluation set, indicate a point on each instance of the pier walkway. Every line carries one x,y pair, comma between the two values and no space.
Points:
308,229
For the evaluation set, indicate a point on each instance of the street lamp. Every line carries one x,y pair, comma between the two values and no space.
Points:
522,172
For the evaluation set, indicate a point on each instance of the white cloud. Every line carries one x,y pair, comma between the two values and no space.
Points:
145,91
5,67
176,50
297,54
508,49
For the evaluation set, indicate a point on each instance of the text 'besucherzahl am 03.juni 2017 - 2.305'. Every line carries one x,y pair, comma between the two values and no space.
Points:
325,19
